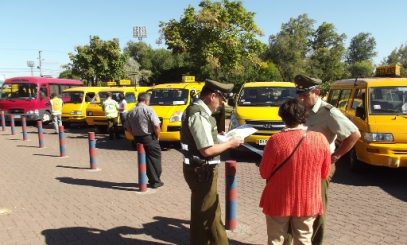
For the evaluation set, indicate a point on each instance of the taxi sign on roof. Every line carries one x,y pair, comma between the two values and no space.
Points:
124,82
111,83
188,79
388,71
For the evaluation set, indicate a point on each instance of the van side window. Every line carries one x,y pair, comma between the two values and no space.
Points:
334,97
43,92
130,98
90,97
344,99
54,88
359,98
63,87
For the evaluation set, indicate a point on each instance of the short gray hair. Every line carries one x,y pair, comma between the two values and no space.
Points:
143,97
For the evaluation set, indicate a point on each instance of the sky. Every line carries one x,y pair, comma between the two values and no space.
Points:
56,27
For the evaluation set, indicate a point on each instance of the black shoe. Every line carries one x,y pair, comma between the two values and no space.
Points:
156,185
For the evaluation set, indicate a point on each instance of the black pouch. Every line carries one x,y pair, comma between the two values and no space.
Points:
203,173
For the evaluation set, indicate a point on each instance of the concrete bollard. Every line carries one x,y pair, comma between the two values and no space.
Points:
3,121
142,168
92,150
24,127
62,152
12,124
40,135
231,195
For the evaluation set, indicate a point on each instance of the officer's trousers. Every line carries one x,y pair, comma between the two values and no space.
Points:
319,224
153,157
206,224
112,128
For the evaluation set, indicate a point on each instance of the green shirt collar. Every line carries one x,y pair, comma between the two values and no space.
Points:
317,105
201,103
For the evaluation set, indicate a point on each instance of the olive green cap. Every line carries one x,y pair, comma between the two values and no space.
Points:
305,83
218,87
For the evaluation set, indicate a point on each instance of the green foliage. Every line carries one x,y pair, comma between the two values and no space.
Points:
217,38
68,74
362,47
362,68
325,61
289,48
100,61
398,57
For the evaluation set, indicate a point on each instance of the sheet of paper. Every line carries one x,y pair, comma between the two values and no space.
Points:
242,131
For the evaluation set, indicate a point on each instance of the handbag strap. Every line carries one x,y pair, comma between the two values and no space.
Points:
288,158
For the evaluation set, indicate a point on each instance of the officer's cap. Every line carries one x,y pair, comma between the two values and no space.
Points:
305,83
221,88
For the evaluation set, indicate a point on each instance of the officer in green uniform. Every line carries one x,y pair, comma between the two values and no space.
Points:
201,158
331,122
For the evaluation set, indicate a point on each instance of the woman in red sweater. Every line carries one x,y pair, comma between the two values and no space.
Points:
292,196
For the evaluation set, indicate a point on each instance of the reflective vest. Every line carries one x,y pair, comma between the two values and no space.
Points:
111,108
56,106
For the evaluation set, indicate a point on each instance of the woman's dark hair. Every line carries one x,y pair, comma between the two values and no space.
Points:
292,113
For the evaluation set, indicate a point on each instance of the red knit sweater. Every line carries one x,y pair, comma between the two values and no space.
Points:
295,190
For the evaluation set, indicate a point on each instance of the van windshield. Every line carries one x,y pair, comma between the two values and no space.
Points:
72,97
388,100
169,97
265,96
115,95
18,90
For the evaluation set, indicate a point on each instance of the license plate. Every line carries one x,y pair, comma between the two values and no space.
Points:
263,142
16,115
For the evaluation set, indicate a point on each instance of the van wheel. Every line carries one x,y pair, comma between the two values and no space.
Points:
355,164
46,118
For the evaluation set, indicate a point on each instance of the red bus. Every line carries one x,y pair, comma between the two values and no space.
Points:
30,96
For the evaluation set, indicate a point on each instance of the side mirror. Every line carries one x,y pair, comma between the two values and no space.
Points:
231,102
360,112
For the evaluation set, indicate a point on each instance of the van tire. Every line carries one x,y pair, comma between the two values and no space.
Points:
355,164
46,117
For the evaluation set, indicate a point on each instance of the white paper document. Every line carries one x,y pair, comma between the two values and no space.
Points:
242,131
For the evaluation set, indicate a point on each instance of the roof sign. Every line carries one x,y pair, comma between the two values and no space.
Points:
388,71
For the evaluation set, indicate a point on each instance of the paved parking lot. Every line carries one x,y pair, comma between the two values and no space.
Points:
46,199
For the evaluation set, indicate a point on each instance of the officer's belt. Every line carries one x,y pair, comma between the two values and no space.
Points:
210,162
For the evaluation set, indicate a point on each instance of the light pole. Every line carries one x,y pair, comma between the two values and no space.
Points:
139,32
30,64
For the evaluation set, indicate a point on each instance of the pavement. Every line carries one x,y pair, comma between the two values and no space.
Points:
46,199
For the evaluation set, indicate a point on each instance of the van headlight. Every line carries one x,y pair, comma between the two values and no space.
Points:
76,112
176,117
234,123
378,137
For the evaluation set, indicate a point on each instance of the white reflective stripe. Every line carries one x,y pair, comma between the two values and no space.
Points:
186,161
184,147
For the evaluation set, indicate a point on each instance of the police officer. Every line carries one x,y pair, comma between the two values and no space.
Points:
144,124
56,111
325,118
111,109
201,158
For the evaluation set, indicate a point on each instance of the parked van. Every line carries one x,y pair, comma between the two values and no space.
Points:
257,104
378,107
31,95
169,101
94,111
76,100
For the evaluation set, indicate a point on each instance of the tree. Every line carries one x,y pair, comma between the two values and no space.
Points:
361,48
326,58
100,61
398,57
67,73
289,48
163,64
133,71
362,68
216,38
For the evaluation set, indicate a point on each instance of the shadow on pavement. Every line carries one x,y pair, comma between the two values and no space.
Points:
100,184
164,229
45,155
71,167
28,146
116,144
392,181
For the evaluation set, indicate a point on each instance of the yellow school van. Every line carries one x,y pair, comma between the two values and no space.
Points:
378,107
257,104
76,101
169,101
95,116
